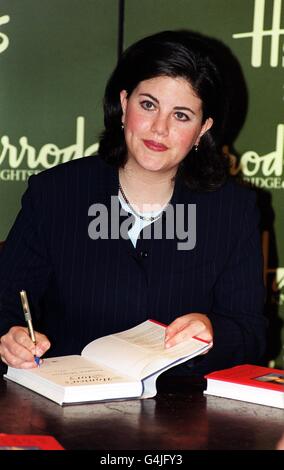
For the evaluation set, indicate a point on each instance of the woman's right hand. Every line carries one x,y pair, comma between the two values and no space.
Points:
18,350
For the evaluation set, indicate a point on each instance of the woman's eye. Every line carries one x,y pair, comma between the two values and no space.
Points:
181,116
148,105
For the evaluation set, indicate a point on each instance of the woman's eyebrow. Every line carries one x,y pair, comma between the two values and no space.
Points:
149,96
182,108
177,108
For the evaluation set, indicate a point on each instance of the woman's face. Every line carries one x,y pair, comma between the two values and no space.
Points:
162,121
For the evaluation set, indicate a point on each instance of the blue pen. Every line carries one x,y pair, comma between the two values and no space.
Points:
28,319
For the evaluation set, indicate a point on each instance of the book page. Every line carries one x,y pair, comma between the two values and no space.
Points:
140,350
72,371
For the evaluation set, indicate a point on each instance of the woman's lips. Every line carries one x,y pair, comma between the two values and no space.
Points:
156,146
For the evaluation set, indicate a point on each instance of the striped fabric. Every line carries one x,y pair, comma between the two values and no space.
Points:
80,288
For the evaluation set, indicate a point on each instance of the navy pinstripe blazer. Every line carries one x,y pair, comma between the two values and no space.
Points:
81,288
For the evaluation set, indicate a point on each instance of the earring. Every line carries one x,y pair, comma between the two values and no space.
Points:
195,147
122,127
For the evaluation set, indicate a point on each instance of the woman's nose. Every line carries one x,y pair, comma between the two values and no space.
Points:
160,125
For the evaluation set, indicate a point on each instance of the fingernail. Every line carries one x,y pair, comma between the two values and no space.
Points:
38,352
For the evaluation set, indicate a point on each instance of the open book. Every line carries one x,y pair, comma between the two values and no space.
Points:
121,365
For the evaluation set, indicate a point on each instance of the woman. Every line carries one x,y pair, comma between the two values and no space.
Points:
190,253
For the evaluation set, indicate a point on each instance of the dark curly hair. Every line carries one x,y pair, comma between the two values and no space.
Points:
173,54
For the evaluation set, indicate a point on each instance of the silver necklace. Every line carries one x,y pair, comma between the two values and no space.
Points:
142,217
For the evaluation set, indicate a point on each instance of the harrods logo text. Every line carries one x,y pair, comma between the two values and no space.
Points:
18,164
258,33
265,171
280,284
4,40
277,287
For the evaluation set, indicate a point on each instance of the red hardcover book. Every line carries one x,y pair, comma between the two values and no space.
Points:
28,442
255,384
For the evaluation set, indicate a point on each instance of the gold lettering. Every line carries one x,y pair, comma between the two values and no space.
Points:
4,40
49,155
258,33
270,164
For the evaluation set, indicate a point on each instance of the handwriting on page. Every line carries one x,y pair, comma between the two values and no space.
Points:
86,379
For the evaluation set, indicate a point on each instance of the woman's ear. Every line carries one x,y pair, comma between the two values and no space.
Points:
123,102
205,127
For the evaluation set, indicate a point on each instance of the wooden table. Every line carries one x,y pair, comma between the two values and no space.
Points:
179,417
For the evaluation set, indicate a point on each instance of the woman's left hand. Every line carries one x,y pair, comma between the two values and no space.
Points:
187,326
